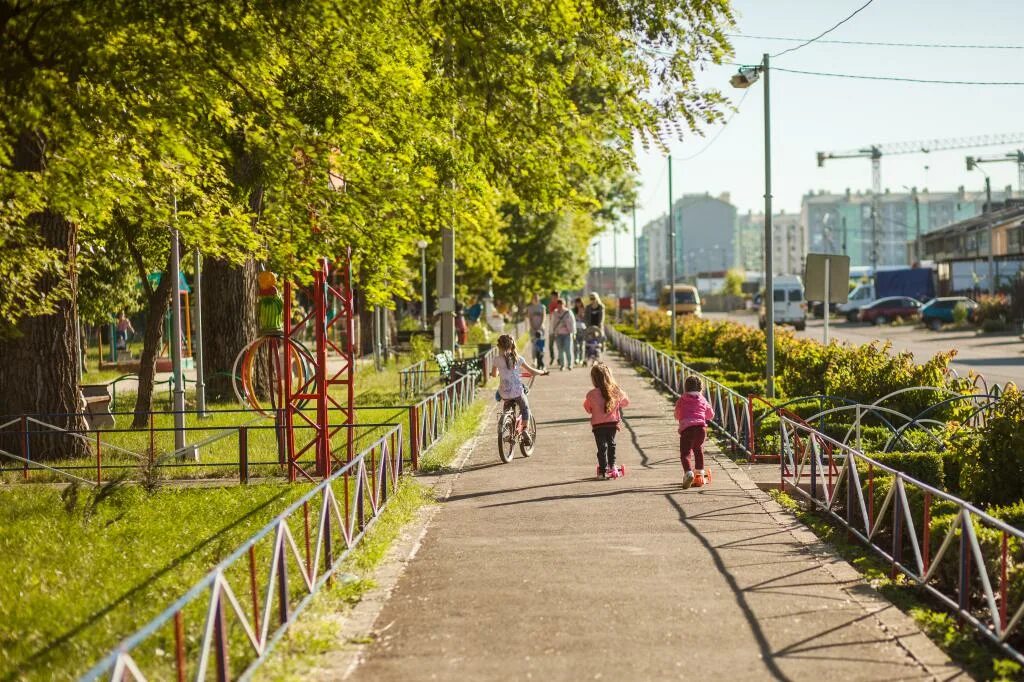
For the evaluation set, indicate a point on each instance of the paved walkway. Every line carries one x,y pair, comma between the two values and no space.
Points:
536,570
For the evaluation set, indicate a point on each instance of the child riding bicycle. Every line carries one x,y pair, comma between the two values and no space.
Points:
509,367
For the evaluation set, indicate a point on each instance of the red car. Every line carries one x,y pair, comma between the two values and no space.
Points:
885,310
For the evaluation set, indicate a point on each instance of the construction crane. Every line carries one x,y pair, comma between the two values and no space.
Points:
1018,156
876,151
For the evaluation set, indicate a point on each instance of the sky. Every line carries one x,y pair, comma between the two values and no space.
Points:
814,113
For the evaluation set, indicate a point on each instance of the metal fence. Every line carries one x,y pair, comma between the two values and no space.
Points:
965,558
229,621
431,418
414,379
965,561
734,415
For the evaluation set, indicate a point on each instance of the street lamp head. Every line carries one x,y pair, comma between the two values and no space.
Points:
971,163
745,77
421,244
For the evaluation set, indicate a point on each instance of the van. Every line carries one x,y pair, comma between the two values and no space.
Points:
789,306
687,300
861,295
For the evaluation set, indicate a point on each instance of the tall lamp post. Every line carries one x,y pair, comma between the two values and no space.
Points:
671,258
744,78
422,245
636,275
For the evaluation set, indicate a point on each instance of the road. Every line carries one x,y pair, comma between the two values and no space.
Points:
998,357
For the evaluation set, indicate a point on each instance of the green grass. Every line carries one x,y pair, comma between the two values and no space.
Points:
462,430
78,577
982,660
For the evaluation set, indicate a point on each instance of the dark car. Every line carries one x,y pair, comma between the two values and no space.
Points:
818,309
886,310
939,311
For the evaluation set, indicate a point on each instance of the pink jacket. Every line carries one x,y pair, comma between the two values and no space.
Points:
594,405
693,409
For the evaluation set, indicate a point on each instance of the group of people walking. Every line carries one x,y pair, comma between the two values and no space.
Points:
563,330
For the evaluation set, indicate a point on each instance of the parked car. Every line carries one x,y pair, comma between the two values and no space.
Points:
818,309
887,309
939,311
861,295
788,304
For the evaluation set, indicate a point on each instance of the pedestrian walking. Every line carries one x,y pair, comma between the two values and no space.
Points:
536,312
538,349
578,309
552,307
604,404
563,327
595,312
124,325
693,412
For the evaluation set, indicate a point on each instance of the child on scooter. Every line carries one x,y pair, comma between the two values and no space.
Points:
693,412
604,403
509,367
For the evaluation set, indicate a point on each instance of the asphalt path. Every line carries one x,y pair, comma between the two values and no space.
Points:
537,570
997,357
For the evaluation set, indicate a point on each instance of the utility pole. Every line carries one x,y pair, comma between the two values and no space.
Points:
197,353
178,394
917,226
991,236
636,275
769,295
671,257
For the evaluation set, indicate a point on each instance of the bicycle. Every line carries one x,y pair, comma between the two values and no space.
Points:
511,428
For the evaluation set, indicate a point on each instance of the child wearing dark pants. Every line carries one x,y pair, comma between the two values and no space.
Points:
604,403
693,412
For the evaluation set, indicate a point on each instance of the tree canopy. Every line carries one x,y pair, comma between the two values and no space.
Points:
283,131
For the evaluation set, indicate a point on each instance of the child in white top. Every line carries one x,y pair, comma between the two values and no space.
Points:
509,368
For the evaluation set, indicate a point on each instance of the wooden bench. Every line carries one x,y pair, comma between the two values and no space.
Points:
97,406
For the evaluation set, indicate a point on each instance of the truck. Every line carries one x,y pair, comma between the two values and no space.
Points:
918,283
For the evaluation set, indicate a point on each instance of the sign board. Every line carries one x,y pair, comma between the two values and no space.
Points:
838,269
625,303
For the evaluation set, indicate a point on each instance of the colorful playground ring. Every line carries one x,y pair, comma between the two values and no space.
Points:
301,368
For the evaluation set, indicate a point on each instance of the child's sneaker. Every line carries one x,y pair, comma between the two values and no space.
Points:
687,479
698,480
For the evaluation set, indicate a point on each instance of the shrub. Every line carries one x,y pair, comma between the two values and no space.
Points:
993,464
959,313
994,325
926,467
702,364
992,308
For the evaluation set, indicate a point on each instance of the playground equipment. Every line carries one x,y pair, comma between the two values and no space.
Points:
301,399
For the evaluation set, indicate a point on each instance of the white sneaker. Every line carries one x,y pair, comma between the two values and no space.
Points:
688,479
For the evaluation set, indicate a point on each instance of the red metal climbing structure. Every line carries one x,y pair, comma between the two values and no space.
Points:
313,414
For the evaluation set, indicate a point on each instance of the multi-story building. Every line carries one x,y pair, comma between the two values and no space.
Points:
844,223
787,242
705,240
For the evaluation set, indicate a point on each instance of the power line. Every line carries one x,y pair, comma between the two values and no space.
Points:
827,31
881,44
894,78
720,130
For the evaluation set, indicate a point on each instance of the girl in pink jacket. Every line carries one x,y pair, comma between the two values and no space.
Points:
604,403
693,412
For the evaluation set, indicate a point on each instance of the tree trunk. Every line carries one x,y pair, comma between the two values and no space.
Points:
157,305
38,362
229,323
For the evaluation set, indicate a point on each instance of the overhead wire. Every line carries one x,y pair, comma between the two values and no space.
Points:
878,43
899,79
825,32
720,130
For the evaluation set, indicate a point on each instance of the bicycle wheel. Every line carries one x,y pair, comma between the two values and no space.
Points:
507,435
531,429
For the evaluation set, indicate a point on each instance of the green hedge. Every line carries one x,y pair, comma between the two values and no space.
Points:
927,467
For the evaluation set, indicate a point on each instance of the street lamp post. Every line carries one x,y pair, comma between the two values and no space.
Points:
744,78
636,275
972,164
671,257
423,282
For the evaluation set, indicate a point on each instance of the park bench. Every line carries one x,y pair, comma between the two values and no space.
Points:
97,406
452,369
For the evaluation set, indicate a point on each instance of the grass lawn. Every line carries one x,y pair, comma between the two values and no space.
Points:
80,577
